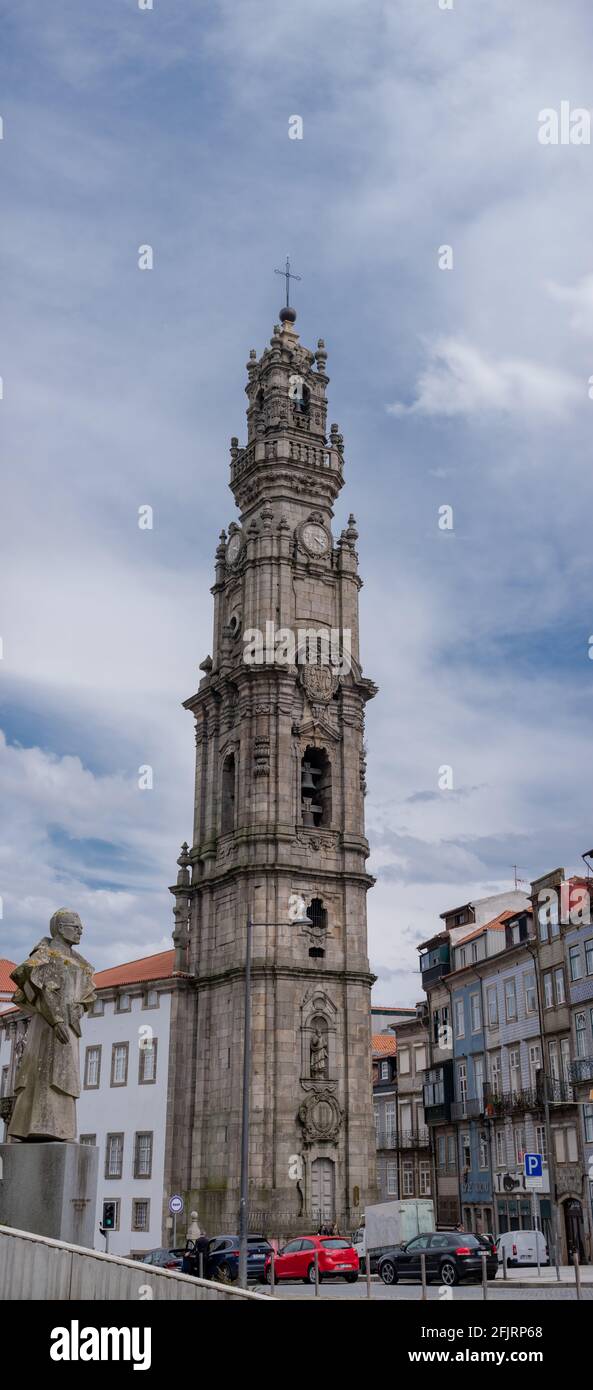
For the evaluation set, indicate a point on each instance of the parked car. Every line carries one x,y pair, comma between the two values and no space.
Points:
163,1259
521,1248
450,1257
336,1255
222,1260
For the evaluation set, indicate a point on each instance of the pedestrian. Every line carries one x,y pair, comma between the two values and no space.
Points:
201,1247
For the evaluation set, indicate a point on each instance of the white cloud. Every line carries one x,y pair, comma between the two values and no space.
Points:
459,379
579,298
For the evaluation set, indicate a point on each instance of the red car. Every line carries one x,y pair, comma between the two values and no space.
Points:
337,1260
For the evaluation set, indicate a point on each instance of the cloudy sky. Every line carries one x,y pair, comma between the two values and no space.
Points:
465,388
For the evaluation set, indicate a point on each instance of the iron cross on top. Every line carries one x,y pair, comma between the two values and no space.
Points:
288,275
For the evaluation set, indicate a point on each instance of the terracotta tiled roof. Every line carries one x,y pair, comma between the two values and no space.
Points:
7,986
496,924
384,1045
134,972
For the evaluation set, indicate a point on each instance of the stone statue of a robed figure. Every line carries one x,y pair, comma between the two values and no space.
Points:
55,986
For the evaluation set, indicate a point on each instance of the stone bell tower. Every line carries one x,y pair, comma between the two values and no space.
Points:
278,825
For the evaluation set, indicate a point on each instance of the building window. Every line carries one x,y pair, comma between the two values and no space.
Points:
559,984
510,1000
111,1208
541,1141
391,1178
535,1062
140,1214
492,1005
554,1060
316,788
466,1153
515,1070
90,1139
462,1083
483,1149
408,1178
143,1155
548,990
4,1082
151,999
147,1062
479,1079
114,1155
119,1064
496,1073
459,1019
565,1144
441,1153
565,1059
476,1013
440,1027
92,1068
501,1149
589,956
419,1058
123,1004
424,1178
588,1122
519,1138
403,1061
575,962
580,1034
451,1153
390,1121
377,1123
227,819
385,1071
98,1008
530,992
461,957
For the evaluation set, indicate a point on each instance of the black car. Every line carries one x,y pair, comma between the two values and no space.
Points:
222,1260
163,1258
450,1257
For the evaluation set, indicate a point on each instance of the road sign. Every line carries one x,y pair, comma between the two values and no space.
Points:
176,1205
534,1172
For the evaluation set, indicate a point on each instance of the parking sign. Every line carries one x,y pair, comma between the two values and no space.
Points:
534,1171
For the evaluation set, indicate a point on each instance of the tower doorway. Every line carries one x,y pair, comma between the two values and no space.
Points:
323,1199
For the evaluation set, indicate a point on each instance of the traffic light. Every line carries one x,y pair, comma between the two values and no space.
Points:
108,1223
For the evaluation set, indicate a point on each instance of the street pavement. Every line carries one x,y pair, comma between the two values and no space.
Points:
497,1292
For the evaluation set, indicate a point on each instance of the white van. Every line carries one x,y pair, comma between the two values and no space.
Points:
521,1248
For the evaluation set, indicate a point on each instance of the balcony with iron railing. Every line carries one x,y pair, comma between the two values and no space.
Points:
499,1104
468,1109
406,1139
581,1070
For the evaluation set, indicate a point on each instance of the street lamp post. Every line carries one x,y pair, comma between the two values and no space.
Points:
297,918
243,1213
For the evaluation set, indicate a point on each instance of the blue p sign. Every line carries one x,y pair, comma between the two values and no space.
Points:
533,1165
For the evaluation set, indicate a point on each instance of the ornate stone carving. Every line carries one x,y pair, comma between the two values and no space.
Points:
319,682
318,1055
321,1117
261,756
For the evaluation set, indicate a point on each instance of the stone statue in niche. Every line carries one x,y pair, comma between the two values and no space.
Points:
319,1055
55,986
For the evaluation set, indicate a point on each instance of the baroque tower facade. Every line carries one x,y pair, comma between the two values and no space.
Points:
278,825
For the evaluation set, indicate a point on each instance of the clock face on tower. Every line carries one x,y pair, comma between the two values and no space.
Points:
315,538
233,549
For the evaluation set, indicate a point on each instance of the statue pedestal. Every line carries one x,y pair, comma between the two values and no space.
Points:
50,1189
